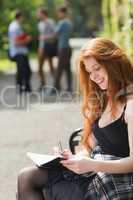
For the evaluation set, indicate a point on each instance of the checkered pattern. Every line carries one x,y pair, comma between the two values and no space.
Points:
105,186
94,186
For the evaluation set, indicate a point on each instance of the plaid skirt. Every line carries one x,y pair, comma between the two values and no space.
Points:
106,186
93,186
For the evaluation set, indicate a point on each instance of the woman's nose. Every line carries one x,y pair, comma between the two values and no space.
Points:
94,76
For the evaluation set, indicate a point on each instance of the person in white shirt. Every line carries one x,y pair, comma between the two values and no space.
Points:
18,52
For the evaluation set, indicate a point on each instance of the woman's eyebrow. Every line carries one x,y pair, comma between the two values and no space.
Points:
92,66
95,65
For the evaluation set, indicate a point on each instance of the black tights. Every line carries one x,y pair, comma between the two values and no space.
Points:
31,182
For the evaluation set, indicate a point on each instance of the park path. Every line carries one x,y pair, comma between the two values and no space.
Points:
37,130
35,127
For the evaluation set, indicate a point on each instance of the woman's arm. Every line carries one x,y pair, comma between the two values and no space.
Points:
124,165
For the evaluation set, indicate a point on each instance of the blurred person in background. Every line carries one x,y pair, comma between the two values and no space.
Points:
63,33
18,52
47,46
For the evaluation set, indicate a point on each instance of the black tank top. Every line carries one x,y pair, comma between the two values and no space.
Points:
113,138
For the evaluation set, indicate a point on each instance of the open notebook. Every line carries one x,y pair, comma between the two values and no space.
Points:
51,161
44,160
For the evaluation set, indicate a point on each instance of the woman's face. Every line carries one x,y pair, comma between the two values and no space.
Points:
97,72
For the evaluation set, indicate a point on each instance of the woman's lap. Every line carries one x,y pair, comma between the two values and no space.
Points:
64,185
98,186
64,190
60,183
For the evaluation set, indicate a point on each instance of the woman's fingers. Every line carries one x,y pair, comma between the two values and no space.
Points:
56,150
71,165
66,153
67,162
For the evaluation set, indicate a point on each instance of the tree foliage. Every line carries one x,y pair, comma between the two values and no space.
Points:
8,9
114,18
86,15
118,22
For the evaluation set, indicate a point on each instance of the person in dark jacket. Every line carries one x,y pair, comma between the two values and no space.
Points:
63,34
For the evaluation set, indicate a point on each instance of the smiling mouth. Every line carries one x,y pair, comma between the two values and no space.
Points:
99,82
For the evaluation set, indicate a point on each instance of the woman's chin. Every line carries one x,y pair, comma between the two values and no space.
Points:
103,87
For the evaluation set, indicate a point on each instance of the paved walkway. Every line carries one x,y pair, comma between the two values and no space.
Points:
36,127
10,99
36,130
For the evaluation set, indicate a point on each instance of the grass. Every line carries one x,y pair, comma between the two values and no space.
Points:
6,64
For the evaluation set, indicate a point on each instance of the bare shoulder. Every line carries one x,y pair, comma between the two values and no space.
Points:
129,90
129,107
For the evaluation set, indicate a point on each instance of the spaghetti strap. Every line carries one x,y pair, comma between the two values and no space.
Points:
124,108
123,113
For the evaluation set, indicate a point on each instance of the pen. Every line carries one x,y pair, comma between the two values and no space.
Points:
60,147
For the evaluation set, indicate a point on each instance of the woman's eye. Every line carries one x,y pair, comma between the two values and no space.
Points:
98,68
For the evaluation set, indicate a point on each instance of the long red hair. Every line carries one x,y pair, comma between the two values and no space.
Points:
120,74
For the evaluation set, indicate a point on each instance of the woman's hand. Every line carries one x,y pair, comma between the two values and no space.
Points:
78,164
66,153
56,151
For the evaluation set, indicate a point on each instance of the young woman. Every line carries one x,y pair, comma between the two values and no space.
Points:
104,168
